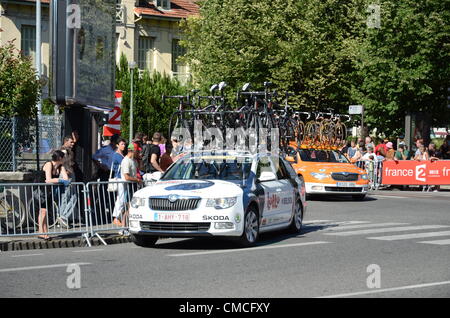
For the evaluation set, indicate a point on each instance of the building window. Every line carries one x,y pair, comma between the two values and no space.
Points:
145,53
28,41
163,4
177,51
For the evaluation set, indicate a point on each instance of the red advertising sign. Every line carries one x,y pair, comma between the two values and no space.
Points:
115,117
416,172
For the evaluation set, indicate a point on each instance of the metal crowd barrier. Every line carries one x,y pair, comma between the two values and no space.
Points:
109,202
41,209
374,170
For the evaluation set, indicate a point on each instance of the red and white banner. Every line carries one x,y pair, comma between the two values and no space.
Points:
416,172
115,117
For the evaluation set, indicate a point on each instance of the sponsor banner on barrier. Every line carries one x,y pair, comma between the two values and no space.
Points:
416,172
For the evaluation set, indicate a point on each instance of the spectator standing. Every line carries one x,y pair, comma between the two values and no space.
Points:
166,159
419,142
390,153
162,144
370,154
128,172
351,151
445,149
381,149
54,172
103,159
360,152
402,153
432,151
422,154
69,155
155,153
369,142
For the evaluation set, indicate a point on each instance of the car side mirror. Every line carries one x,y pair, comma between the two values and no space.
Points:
267,176
291,159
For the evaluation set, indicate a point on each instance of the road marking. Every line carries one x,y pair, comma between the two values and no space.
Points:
316,221
26,255
387,290
340,223
250,249
391,229
410,236
88,251
390,196
349,227
438,242
18,269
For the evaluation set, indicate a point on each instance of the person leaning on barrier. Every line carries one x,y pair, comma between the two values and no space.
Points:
54,173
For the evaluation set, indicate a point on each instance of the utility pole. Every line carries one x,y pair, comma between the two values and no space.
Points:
38,73
132,66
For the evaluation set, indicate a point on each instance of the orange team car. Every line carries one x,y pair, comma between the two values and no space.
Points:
326,170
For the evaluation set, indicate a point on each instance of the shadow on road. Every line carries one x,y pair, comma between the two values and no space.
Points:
338,198
217,243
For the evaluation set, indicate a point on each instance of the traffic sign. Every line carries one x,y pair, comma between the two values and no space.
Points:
355,109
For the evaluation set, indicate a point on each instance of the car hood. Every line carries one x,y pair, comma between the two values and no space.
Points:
191,188
326,167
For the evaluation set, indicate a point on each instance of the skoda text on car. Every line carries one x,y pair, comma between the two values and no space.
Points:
228,195
327,171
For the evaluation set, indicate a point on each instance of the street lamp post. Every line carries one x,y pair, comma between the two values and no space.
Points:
132,66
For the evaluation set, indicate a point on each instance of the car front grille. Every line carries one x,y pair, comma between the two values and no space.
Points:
342,189
175,227
162,204
340,176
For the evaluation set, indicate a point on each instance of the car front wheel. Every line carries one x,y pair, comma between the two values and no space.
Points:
251,228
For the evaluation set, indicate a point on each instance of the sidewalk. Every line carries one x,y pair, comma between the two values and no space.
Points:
31,243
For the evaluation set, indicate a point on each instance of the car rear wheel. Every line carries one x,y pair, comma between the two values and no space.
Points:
297,219
144,240
251,228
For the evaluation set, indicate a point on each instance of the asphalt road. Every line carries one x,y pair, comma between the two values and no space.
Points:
406,235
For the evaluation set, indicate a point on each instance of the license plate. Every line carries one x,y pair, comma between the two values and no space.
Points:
346,184
172,217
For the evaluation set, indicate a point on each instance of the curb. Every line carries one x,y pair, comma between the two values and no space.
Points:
60,243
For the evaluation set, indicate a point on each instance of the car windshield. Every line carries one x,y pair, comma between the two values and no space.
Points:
314,155
210,168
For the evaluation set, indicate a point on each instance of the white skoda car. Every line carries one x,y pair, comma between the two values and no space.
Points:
228,195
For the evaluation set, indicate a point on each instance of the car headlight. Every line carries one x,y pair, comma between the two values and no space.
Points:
364,176
137,202
221,203
320,176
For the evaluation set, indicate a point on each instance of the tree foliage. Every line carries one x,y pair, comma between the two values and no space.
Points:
149,112
325,53
404,65
19,86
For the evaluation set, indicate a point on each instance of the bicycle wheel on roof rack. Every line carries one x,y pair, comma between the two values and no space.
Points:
341,131
311,131
327,130
300,132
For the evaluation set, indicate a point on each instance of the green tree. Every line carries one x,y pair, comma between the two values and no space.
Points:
149,112
404,65
325,52
303,46
19,86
